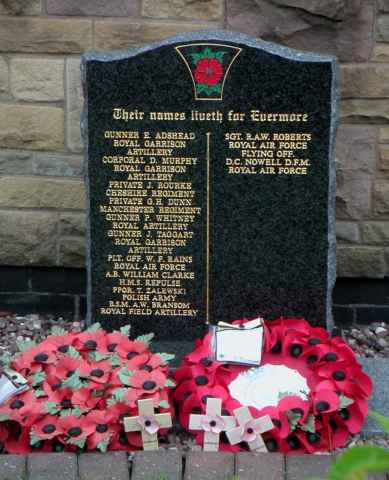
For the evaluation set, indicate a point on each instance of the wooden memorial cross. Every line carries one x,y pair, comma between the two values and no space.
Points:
250,430
148,423
212,423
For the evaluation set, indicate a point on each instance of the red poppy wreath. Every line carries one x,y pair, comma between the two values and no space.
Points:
310,385
81,386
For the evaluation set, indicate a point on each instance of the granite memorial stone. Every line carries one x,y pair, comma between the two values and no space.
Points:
210,183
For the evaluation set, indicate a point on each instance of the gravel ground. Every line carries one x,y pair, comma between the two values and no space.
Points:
369,341
29,327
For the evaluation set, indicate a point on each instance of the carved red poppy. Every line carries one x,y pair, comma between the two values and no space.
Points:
208,71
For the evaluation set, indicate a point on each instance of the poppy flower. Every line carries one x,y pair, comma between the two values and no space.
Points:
47,428
325,401
335,429
213,423
148,423
35,357
63,397
208,71
153,362
91,341
126,442
18,442
130,349
112,341
24,408
250,431
148,382
59,343
65,367
104,426
349,379
75,428
84,399
279,419
202,350
353,416
199,374
96,372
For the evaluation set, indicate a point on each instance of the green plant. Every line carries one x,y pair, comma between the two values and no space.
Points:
357,462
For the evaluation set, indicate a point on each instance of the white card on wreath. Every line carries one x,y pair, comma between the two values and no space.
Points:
11,384
240,344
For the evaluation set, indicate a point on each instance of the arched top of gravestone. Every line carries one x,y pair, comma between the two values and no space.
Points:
220,35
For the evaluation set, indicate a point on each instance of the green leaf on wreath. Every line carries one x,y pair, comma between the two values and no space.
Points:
166,357
4,417
95,327
115,360
164,404
293,419
38,378
309,425
126,330
39,393
23,345
73,353
34,439
125,376
5,359
146,339
71,412
52,408
103,445
98,357
119,394
97,393
219,55
345,401
57,331
169,383
74,381
80,443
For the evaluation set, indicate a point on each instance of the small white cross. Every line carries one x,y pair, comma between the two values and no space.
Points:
211,421
249,427
147,417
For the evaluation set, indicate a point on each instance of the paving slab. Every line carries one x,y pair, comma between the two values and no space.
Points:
261,466
12,467
209,466
103,466
299,467
49,466
162,464
378,369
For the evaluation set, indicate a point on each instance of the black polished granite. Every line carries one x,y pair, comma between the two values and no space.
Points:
263,244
